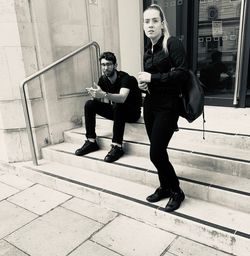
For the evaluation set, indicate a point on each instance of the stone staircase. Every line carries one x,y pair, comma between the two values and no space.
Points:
214,174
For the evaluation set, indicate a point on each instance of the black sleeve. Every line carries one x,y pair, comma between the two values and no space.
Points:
126,82
177,55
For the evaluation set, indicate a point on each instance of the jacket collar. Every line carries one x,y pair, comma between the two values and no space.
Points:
158,45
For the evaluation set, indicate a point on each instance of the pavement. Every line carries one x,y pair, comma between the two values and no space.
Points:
38,221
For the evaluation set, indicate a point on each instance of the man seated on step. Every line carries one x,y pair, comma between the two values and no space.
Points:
120,101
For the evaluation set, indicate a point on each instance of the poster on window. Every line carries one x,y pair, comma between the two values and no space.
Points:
217,28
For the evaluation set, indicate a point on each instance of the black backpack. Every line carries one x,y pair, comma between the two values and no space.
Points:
192,98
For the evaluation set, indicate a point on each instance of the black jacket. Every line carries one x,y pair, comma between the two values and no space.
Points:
159,64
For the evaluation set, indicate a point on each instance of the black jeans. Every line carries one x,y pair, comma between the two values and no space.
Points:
119,112
161,122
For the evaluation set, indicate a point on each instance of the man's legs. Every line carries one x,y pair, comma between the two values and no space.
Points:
122,113
119,113
91,108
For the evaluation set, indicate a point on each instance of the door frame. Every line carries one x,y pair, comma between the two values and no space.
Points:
243,98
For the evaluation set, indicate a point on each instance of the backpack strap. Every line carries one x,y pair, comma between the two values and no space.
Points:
203,124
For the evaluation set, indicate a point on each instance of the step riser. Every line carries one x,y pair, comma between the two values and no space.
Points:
213,164
208,235
132,149
203,192
136,131
203,162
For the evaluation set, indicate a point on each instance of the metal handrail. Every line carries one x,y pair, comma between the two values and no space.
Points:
40,72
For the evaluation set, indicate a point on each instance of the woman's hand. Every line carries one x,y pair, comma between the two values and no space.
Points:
143,86
144,77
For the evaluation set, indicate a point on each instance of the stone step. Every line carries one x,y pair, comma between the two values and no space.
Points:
207,223
188,136
219,188
210,158
222,120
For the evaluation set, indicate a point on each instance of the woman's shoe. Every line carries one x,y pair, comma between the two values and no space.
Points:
160,193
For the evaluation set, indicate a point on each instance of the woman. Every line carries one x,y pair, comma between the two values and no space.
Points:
162,82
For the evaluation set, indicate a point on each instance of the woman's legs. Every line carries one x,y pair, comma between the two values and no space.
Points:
160,128
160,136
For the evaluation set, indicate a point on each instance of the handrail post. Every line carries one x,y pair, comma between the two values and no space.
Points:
98,53
40,72
28,124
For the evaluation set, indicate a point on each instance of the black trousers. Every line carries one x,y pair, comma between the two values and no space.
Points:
161,122
119,112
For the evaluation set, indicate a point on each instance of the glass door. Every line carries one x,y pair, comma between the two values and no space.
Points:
218,38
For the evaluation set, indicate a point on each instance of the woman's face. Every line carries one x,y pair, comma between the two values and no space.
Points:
152,24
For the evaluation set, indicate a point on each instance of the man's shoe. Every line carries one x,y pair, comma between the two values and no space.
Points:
160,193
114,154
87,148
175,201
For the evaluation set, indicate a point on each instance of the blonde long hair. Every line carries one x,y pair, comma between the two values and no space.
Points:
165,29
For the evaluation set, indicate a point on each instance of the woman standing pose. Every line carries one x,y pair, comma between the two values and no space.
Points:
161,84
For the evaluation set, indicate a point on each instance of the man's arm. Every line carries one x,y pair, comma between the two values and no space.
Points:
98,93
118,97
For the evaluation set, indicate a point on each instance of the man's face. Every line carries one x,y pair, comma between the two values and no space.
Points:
108,68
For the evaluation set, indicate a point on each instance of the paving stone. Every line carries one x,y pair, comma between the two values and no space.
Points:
183,246
15,181
90,210
6,191
39,199
13,217
7,249
91,248
56,233
133,238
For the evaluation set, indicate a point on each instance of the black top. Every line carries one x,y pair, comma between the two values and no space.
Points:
123,80
159,64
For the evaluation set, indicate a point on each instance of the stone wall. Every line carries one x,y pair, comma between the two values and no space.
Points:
38,33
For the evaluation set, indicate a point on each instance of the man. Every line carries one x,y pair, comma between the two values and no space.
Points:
124,97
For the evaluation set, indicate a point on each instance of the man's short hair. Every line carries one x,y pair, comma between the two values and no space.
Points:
108,56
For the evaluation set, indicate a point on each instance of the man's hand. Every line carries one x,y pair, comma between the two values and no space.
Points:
96,92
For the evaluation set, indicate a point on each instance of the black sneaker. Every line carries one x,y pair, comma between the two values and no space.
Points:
87,147
175,201
160,193
114,154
